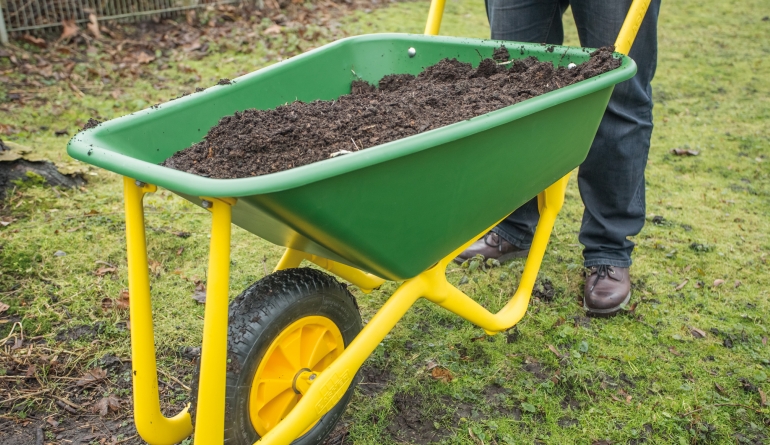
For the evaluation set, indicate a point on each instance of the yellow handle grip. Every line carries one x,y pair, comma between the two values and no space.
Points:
631,26
434,17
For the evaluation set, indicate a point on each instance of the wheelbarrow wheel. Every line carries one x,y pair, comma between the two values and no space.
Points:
284,324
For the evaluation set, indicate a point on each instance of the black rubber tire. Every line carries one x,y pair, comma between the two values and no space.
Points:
256,318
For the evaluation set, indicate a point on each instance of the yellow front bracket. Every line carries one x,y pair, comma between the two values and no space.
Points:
330,385
150,422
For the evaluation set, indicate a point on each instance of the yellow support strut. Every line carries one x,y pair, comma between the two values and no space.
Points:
210,416
150,422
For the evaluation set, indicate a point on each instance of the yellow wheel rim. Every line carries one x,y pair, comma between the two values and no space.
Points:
309,343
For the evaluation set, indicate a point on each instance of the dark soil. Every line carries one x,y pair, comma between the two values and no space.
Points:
258,142
374,380
19,169
544,291
419,420
65,407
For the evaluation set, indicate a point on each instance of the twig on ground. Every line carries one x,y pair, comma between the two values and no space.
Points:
25,396
66,407
174,379
126,439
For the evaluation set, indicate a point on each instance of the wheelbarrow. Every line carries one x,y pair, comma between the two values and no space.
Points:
280,364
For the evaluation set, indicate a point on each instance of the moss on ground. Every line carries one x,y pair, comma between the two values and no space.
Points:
689,363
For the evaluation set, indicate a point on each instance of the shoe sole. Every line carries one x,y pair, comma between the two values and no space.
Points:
607,312
503,258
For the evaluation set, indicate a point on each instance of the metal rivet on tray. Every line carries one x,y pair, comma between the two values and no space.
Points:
206,204
411,52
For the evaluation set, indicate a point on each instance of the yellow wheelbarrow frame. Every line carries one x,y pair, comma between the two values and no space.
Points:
322,393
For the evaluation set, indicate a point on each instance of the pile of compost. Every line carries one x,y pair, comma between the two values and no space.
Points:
258,142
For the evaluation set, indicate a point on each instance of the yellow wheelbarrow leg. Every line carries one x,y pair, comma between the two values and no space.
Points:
151,425
365,281
210,413
550,203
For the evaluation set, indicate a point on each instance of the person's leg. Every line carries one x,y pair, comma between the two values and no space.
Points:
536,21
611,180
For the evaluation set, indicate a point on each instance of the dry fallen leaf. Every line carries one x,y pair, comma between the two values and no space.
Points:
442,374
123,300
120,303
93,26
682,284
3,307
685,152
762,397
738,283
273,29
718,282
674,351
143,58
697,333
199,294
720,390
106,404
102,271
69,29
91,377
107,303
553,349
37,41
155,267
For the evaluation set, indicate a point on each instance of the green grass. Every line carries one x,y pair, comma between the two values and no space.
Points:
641,375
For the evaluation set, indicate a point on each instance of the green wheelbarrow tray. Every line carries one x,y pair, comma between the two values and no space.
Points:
392,210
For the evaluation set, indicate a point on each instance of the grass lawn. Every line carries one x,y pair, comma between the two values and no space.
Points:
689,364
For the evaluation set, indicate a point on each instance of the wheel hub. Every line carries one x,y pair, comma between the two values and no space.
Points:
290,364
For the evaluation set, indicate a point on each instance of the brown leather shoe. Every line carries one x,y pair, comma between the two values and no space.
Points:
607,290
492,245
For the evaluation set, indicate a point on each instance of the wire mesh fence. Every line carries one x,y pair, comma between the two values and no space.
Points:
30,15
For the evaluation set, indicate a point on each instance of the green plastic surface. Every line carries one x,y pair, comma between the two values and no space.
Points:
395,209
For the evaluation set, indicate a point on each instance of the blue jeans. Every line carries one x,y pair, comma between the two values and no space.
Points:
611,180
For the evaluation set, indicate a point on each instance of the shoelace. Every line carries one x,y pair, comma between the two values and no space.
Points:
499,245
601,272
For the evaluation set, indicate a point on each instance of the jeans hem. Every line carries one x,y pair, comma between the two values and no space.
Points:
517,241
607,262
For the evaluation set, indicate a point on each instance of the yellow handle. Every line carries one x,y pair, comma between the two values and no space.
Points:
631,26
434,17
